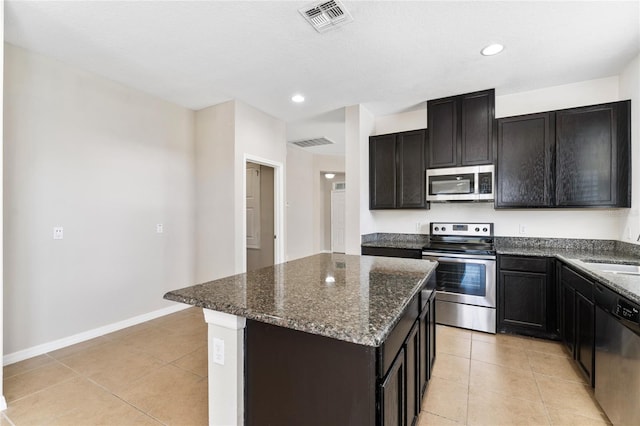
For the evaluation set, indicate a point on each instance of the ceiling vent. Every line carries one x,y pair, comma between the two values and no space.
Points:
307,143
326,15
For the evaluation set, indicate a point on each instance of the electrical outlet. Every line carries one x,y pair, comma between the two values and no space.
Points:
159,228
58,232
418,226
218,351
522,229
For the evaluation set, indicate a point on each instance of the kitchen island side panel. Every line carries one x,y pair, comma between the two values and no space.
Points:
295,378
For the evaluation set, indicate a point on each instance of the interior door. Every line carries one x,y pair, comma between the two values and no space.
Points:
337,221
253,206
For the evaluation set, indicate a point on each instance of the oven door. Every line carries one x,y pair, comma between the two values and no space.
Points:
467,279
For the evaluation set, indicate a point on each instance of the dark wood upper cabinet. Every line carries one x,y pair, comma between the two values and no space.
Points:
578,157
592,151
443,132
525,161
461,129
382,172
397,166
478,123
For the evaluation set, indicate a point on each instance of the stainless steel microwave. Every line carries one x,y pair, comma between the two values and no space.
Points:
473,183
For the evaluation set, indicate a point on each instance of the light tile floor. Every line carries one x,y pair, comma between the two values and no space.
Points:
485,379
156,373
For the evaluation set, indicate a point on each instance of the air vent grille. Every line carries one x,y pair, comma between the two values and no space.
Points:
307,143
326,15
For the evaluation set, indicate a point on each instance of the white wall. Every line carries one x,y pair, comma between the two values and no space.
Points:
558,97
359,124
262,136
214,182
326,187
301,213
411,120
304,200
577,223
3,402
107,163
225,135
630,89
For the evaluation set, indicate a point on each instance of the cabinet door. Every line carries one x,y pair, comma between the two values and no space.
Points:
568,316
392,394
477,124
411,191
585,335
523,300
525,161
412,362
424,350
443,132
587,163
432,334
382,172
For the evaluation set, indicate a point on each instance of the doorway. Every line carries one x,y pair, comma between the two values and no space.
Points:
260,216
333,211
337,220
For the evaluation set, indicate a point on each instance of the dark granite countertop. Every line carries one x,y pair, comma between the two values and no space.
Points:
581,254
578,253
401,241
357,299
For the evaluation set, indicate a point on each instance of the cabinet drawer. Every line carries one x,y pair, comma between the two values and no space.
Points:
392,252
524,264
578,282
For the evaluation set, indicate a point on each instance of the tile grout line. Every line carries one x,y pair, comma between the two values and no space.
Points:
7,419
544,403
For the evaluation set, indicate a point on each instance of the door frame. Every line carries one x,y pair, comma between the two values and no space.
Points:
278,208
333,191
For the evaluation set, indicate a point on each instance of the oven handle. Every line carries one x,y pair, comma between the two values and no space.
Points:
431,255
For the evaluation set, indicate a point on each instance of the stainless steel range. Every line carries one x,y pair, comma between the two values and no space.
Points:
466,274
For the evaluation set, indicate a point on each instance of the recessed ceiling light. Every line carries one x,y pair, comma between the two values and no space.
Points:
492,49
297,98
329,175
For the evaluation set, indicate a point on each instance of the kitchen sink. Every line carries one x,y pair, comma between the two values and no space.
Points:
616,268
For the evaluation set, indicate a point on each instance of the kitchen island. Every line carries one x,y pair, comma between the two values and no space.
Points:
327,339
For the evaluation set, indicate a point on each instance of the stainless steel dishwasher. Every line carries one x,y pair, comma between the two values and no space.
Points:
617,365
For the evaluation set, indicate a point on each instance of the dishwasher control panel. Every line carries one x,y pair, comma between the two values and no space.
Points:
627,311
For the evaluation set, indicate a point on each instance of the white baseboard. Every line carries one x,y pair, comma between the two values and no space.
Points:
88,335
3,403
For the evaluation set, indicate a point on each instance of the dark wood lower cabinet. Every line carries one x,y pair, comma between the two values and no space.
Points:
295,378
393,395
415,359
412,361
568,317
585,336
537,299
578,319
526,296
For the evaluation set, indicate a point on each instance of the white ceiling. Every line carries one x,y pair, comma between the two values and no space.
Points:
394,55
